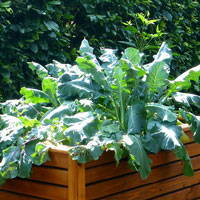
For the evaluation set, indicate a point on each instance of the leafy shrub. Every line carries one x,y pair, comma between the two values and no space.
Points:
100,104
30,31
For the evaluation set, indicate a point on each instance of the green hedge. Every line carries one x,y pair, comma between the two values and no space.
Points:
53,29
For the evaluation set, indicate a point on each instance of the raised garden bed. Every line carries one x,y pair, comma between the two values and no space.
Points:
64,179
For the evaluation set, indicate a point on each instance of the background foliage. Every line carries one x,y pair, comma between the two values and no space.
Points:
53,29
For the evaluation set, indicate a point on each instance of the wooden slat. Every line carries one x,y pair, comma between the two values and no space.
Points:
104,172
150,191
76,177
50,175
133,180
36,189
107,157
59,159
191,193
12,196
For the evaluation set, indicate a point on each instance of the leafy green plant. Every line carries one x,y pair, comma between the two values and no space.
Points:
100,104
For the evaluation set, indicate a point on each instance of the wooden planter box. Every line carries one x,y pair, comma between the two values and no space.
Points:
64,179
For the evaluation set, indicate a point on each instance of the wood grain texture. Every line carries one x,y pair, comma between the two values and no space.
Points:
36,189
59,159
98,173
50,175
190,193
153,190
120,184
76,180
12,196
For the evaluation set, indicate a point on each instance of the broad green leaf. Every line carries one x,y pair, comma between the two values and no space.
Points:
85,48
9,163
49,86
182,154
133,55
136,118
157,76
40,155
117,148
60,112
164,54
79,88
184,80
81,126
187,99
56,69
39,69
165,134
164,113
89,67
194,122
34,95
25,165
86,153
135,147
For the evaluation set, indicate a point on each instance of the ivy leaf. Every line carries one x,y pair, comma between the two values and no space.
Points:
139,156
34,95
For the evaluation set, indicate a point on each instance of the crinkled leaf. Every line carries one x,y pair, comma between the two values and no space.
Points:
165,134
79,88
187,99
56,69
162,112
9,163
10,129
82,126
34,95
40,155
65,109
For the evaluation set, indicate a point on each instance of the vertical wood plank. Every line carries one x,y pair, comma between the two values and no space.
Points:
76,180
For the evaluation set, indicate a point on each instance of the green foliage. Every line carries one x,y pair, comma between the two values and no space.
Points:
30,31
47,30
100,104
